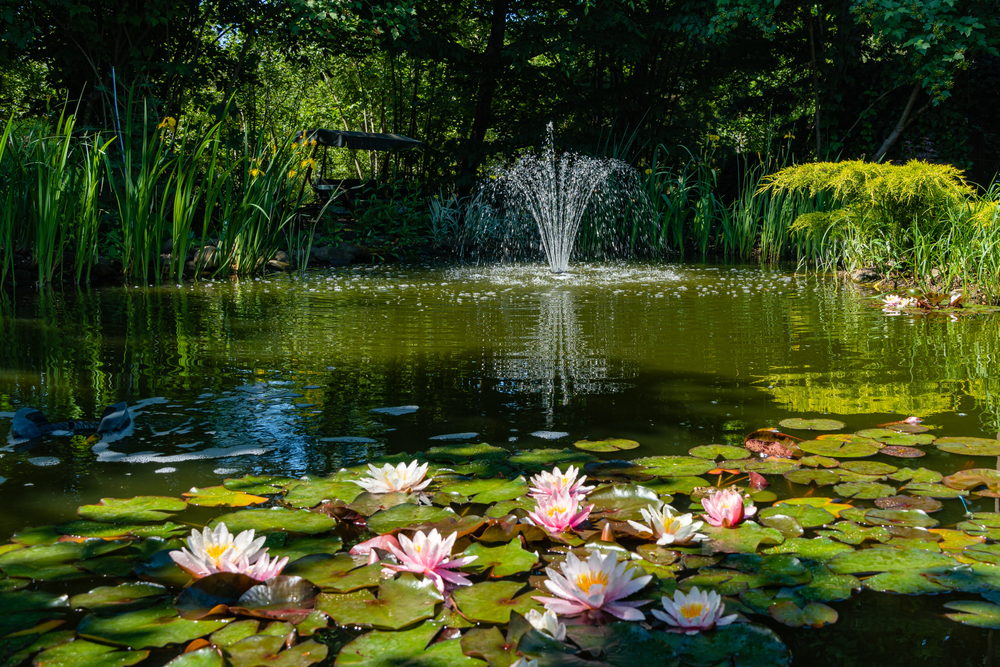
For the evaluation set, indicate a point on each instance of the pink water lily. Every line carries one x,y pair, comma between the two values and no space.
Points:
592,587
724,508
369,547
558,513
554,483
426,554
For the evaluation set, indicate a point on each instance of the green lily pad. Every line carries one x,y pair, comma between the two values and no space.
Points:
812,424
975,613
207,656
669,486
341,573
123,597
606,445
401,602
220,496
487,490
984,553
864,490
157,626
490,645
21,600
850,532
899,518
269,520
909,440
869,467
459,453
888,560
745,538
621,502
408,648
315,491
969,446
876,433
52,562
814,461
122,530
81,653
405,516
306,546
675,466
819,549
132,510
806,516
973,479
767,466
493,601
825,586
812,476
840,450
903,583
814,614
715,452
260,484
234,632
937,491
546,459
504,561
923,475
367,503
748,644
264,649
784,524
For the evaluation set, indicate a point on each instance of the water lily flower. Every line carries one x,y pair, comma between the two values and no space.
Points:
724,507
555,482
369,547
425,554
668,527
524,662
217,550
895,302
694,612
558,513
262,570
547,623
594,586
400,479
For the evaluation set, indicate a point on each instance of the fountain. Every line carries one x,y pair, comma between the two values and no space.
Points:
556,189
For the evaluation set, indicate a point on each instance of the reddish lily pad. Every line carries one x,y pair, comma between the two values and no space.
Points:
840,450
220,496
401,602
286,598
902,452
973,479
606,445
969,446
771,442
132,510
908,503
715,452
812,424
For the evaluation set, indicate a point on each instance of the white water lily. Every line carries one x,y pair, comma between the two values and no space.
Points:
895,302
524,662
547,623
218,550
402,478
556,483
595,585
694,612
668,527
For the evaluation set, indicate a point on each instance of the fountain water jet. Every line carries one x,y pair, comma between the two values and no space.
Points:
555,190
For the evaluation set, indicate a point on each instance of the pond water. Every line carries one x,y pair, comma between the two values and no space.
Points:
311,372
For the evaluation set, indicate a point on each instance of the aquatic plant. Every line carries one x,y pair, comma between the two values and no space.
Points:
547,623
725,508
558,513
589,588
217,550
428,554
555,482
401,478
694,612
668,527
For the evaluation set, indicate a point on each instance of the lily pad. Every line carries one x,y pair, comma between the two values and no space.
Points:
81,653
745,538
812,424
504,561
888,560
865,490
903,583
715,452
488,490
493,601
975,613
263,649
21,600
87,529
675,466
745,644
902,452
901,518
123,597
840,450
260,484
405,516
462,453
621,502
157,626
916,475
340,573
814,614
850,532
220,496
969,446
132,510
606,445
908,503
315,491
869,467
206,656
812,476
408,648
939,491
401,602
287,598
766,466
278,519
806,516
825,586
973,479
814,461
817,548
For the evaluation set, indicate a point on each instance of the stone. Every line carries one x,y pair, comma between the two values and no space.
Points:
866,274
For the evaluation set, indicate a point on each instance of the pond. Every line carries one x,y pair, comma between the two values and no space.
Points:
294,375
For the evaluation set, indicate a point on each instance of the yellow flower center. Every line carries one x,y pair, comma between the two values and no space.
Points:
671,525
587,579
556,510
216,550
692,610
417,547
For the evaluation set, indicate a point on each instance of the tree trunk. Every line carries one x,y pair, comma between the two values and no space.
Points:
905,121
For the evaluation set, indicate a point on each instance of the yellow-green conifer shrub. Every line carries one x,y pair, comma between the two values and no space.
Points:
882,211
